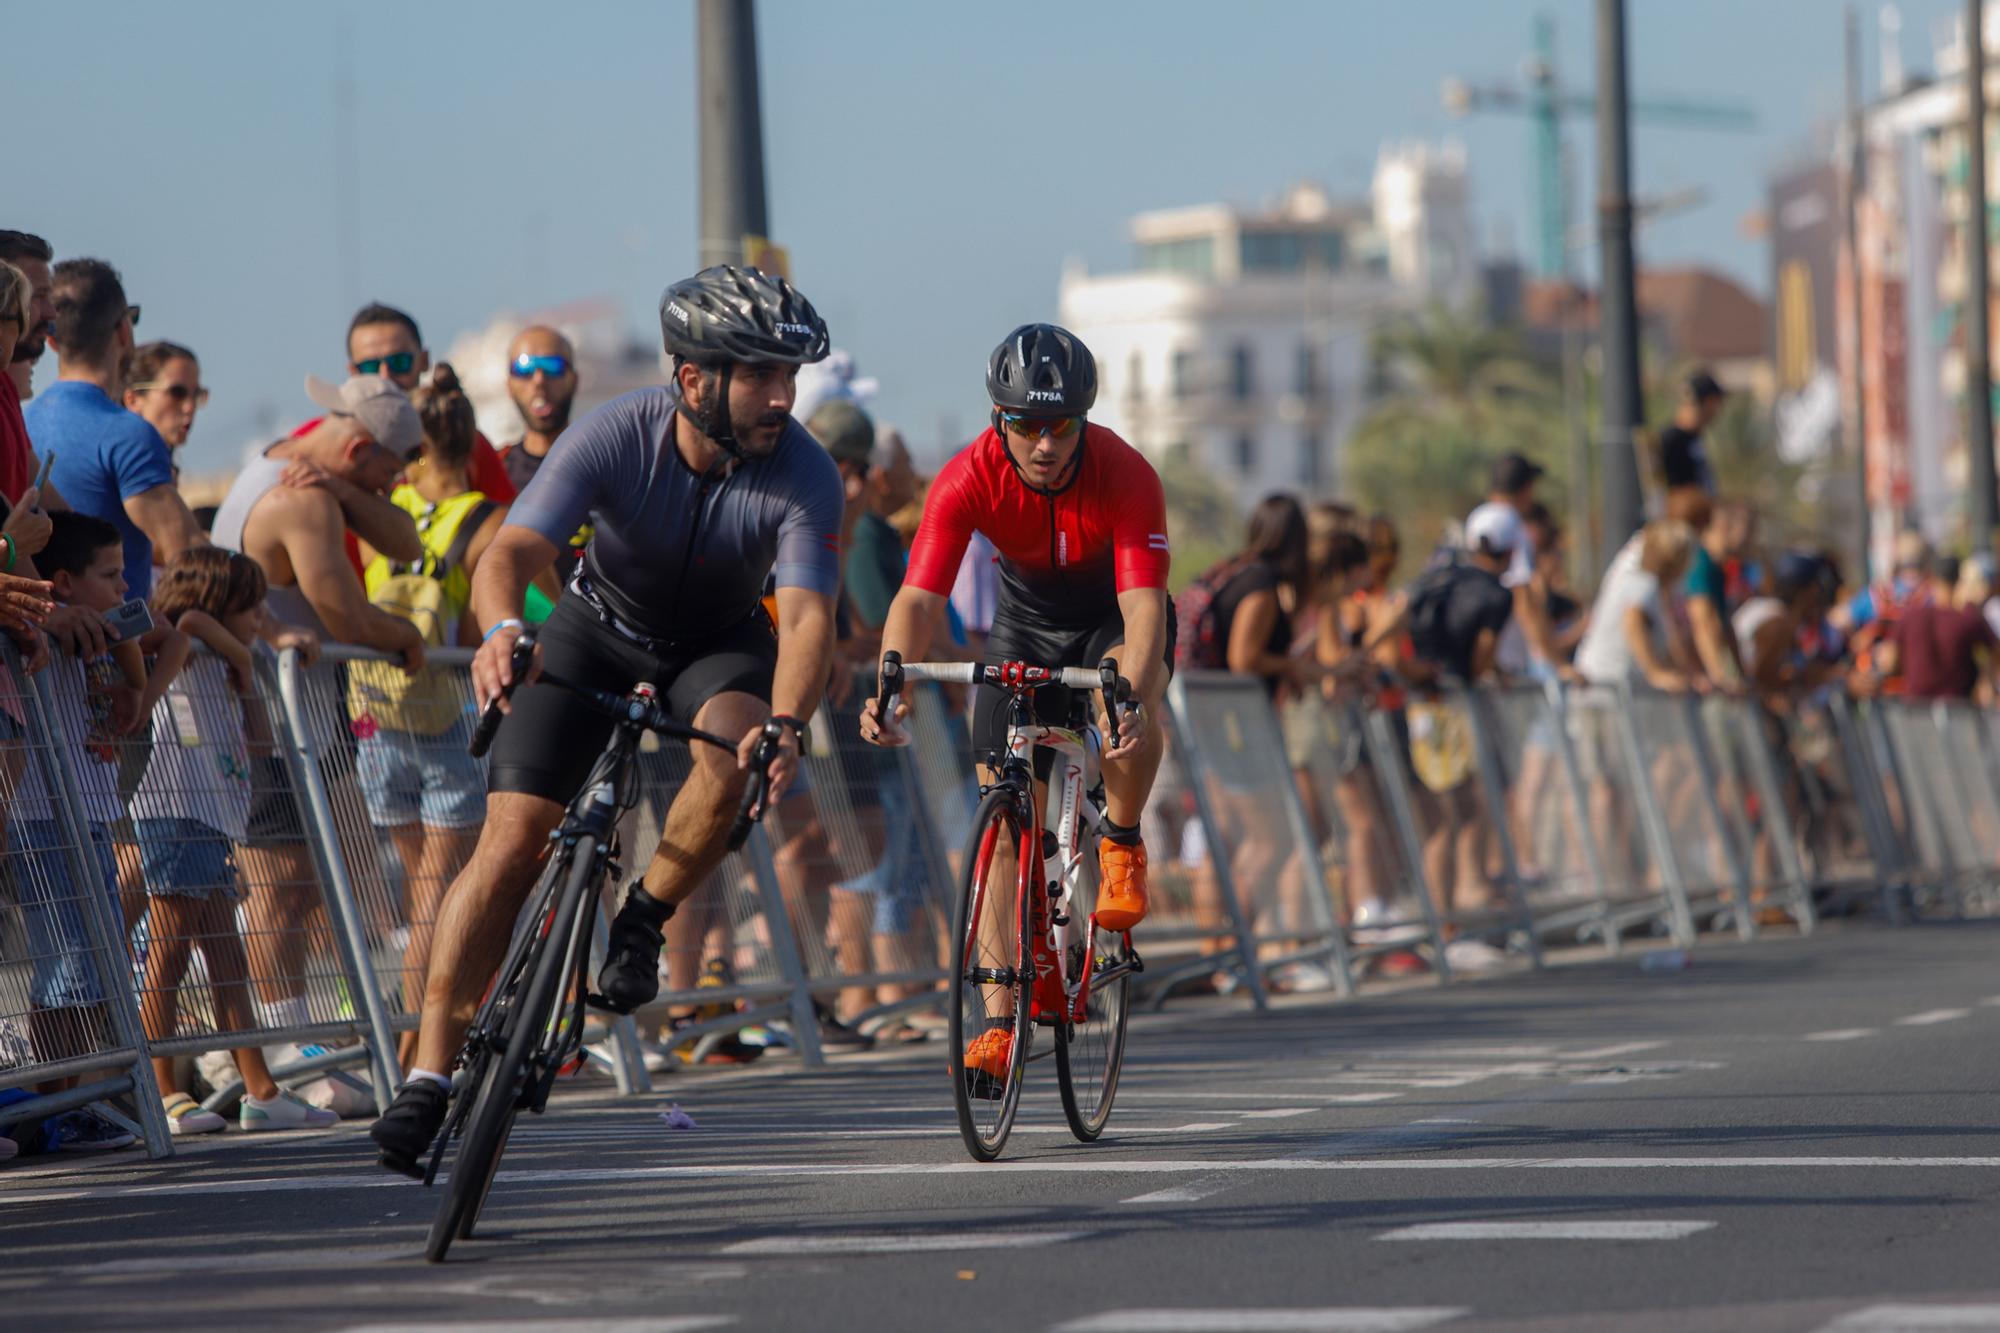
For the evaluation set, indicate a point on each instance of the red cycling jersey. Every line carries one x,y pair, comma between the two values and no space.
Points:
1064,557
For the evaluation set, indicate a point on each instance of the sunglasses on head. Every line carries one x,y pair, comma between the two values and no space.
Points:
399,363
1056,428
525,366
180,393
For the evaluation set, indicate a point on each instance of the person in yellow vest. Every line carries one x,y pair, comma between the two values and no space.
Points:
421,787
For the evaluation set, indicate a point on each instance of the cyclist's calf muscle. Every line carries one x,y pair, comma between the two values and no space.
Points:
477,917
691,844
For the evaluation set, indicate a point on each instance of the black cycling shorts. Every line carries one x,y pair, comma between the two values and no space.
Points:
1014,639
551,738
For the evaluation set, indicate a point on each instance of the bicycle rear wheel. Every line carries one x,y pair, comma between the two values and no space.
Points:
1090,1053
991,978
497,1093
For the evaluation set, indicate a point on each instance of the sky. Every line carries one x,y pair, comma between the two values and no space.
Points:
931,166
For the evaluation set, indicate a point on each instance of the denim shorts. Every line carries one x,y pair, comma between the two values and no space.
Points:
65,972
406,779
185,858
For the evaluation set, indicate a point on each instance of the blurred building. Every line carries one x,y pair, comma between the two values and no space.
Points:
1687,316
1242,339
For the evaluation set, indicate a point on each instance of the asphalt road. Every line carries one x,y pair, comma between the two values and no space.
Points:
1795,1135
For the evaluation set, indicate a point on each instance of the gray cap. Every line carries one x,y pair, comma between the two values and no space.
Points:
844,431
379,404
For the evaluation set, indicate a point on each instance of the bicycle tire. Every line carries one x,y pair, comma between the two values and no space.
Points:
1090,1055
491,1121
986,1107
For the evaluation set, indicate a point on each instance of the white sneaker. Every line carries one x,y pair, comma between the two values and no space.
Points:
185,1115
1474,955
337,1090
1303,977
283,1111
1371,926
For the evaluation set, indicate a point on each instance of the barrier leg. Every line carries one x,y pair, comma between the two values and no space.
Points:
785,949
302,758
1493,784
107,940
1245,946
1659,839
1386,758
1778,828
1706,781
1316,894
1557,703
628,1061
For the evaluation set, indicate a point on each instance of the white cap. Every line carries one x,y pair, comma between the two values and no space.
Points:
1496,528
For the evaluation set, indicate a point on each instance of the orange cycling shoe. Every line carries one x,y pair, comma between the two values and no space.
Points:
1121,891
990,1053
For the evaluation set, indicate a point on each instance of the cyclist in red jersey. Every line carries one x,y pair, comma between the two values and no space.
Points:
1078,517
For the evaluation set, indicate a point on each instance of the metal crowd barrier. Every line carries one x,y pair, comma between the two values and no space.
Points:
298,835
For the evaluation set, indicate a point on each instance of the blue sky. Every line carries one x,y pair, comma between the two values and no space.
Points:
931,165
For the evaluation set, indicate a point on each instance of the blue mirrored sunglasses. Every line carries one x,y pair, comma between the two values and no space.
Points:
525,366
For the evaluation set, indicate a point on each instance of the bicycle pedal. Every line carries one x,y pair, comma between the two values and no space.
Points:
984,1086
601,1004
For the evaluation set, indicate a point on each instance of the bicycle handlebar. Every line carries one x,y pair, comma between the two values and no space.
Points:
645,712
1017,677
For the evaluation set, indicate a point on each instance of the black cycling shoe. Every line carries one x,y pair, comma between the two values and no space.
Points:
410,1125
630,976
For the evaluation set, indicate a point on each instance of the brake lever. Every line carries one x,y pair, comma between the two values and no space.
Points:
756,792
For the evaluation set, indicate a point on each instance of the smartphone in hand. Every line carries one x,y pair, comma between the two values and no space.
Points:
129,620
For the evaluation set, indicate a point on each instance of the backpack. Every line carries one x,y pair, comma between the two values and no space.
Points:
1202,645
1430,597
426,594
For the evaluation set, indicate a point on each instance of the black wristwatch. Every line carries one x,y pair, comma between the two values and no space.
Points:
798,727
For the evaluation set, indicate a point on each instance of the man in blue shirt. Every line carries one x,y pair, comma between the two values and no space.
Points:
108,462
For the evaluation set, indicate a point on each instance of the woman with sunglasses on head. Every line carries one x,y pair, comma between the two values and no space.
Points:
163,385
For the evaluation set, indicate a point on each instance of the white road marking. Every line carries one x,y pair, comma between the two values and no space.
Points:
922,1243
1547,1231
1606,1052
1991,1001
1193,1193
235,1261
677,1323
1139,1166
1908,1318
554,1136
1278,1113
1328,1098
686,1323
1931,1016
1840,1034
1337,1319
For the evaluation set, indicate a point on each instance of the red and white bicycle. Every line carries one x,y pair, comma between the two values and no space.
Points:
1027,950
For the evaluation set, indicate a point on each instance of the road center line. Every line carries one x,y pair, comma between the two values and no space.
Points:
1909,1318
915,1243
1547,1231
1931,1016
1338,1319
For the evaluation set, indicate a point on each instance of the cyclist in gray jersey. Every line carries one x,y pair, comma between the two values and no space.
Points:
696,495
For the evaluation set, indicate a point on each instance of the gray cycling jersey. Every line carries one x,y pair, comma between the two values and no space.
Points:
676,555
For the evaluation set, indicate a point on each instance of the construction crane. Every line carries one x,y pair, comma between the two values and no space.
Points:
1546,102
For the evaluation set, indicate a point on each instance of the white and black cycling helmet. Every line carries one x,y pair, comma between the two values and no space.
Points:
729,315
1044,370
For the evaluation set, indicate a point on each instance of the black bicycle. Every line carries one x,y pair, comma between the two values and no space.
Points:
530,1027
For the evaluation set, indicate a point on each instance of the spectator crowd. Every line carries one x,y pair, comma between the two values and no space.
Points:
151,629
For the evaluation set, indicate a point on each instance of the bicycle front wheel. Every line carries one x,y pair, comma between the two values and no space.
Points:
992,978
1090,1051
497,1095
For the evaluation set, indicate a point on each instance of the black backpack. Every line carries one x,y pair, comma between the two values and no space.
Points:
1430,595
1202,645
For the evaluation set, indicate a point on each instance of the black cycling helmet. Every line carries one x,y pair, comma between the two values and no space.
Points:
1043,369
728,315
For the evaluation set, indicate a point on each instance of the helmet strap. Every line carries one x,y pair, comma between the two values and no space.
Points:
713,418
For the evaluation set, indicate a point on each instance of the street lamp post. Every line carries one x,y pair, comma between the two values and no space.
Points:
1978,353
732,130
1623,414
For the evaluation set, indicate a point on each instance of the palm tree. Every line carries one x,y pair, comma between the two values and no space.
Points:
1456,395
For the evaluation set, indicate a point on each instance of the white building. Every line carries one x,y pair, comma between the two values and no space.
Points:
1242,341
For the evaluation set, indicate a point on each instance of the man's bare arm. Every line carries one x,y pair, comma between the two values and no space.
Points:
166,520
312,531
1144,660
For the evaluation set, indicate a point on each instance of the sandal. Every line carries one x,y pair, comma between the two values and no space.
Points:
898,1033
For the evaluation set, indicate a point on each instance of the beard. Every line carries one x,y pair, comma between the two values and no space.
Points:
558,418
760,439
32,345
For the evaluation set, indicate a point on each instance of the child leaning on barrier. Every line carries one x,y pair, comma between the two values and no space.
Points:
96,702
190,810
